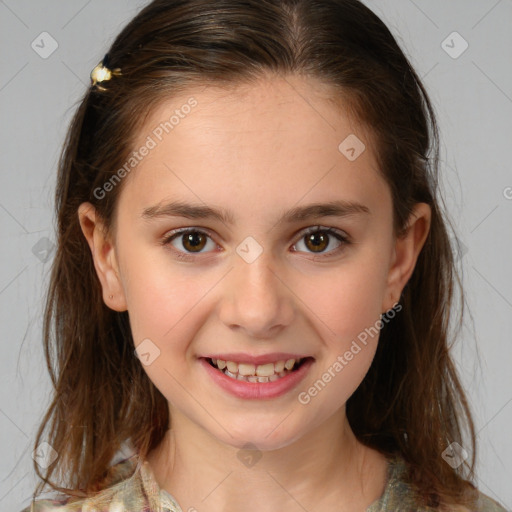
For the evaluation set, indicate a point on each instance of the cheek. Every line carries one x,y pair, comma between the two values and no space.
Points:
157,297
346,303
348,314
347,299
165,309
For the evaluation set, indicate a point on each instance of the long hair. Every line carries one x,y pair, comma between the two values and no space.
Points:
411,401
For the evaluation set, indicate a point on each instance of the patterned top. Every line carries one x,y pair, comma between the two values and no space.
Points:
132,487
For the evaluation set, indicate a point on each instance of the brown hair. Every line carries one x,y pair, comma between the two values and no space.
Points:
411,402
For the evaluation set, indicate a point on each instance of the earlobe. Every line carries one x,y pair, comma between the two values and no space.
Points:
104,256
406,251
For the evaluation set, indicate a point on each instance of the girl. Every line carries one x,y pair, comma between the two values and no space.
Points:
250,304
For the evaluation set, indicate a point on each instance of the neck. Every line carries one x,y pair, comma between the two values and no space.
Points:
327,469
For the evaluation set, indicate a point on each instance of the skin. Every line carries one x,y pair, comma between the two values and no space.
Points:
259,151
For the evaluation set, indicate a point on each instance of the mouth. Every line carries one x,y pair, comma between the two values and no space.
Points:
262,373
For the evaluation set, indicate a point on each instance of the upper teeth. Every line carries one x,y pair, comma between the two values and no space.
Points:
261,370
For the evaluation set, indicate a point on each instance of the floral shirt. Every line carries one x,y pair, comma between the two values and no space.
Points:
132,487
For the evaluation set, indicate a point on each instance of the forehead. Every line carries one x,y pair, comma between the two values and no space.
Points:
287,104
278,137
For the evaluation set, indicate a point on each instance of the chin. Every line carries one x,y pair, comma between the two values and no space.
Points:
266,437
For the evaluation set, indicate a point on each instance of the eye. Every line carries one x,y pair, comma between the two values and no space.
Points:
189,241
318,239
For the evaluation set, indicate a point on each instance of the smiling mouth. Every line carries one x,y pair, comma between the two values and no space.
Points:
257,373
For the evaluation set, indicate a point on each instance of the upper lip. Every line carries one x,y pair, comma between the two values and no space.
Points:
240,357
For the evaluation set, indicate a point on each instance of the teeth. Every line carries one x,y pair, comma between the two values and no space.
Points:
248,369
265,370
262,373
279,366
289,364
232,367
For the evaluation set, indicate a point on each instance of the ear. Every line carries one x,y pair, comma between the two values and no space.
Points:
405,254
104,257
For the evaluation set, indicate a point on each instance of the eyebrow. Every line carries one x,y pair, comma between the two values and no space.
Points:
337,208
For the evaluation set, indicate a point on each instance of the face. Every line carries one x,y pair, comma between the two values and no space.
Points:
219,253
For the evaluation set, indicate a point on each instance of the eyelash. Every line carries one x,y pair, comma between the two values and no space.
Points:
189,256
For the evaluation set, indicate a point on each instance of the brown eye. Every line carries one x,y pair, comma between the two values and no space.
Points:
322,240
189,241
317,242
194,241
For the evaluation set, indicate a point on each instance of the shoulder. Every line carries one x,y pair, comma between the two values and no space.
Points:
483,504
102,502
49,505
126,490
45,506
487,504
399,495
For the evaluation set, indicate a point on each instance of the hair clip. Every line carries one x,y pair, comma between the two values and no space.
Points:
102,73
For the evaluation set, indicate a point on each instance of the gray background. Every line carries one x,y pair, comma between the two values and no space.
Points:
473,98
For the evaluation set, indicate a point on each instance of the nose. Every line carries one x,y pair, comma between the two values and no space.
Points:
256,299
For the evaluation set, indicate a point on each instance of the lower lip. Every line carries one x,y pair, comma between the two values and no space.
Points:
257,390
